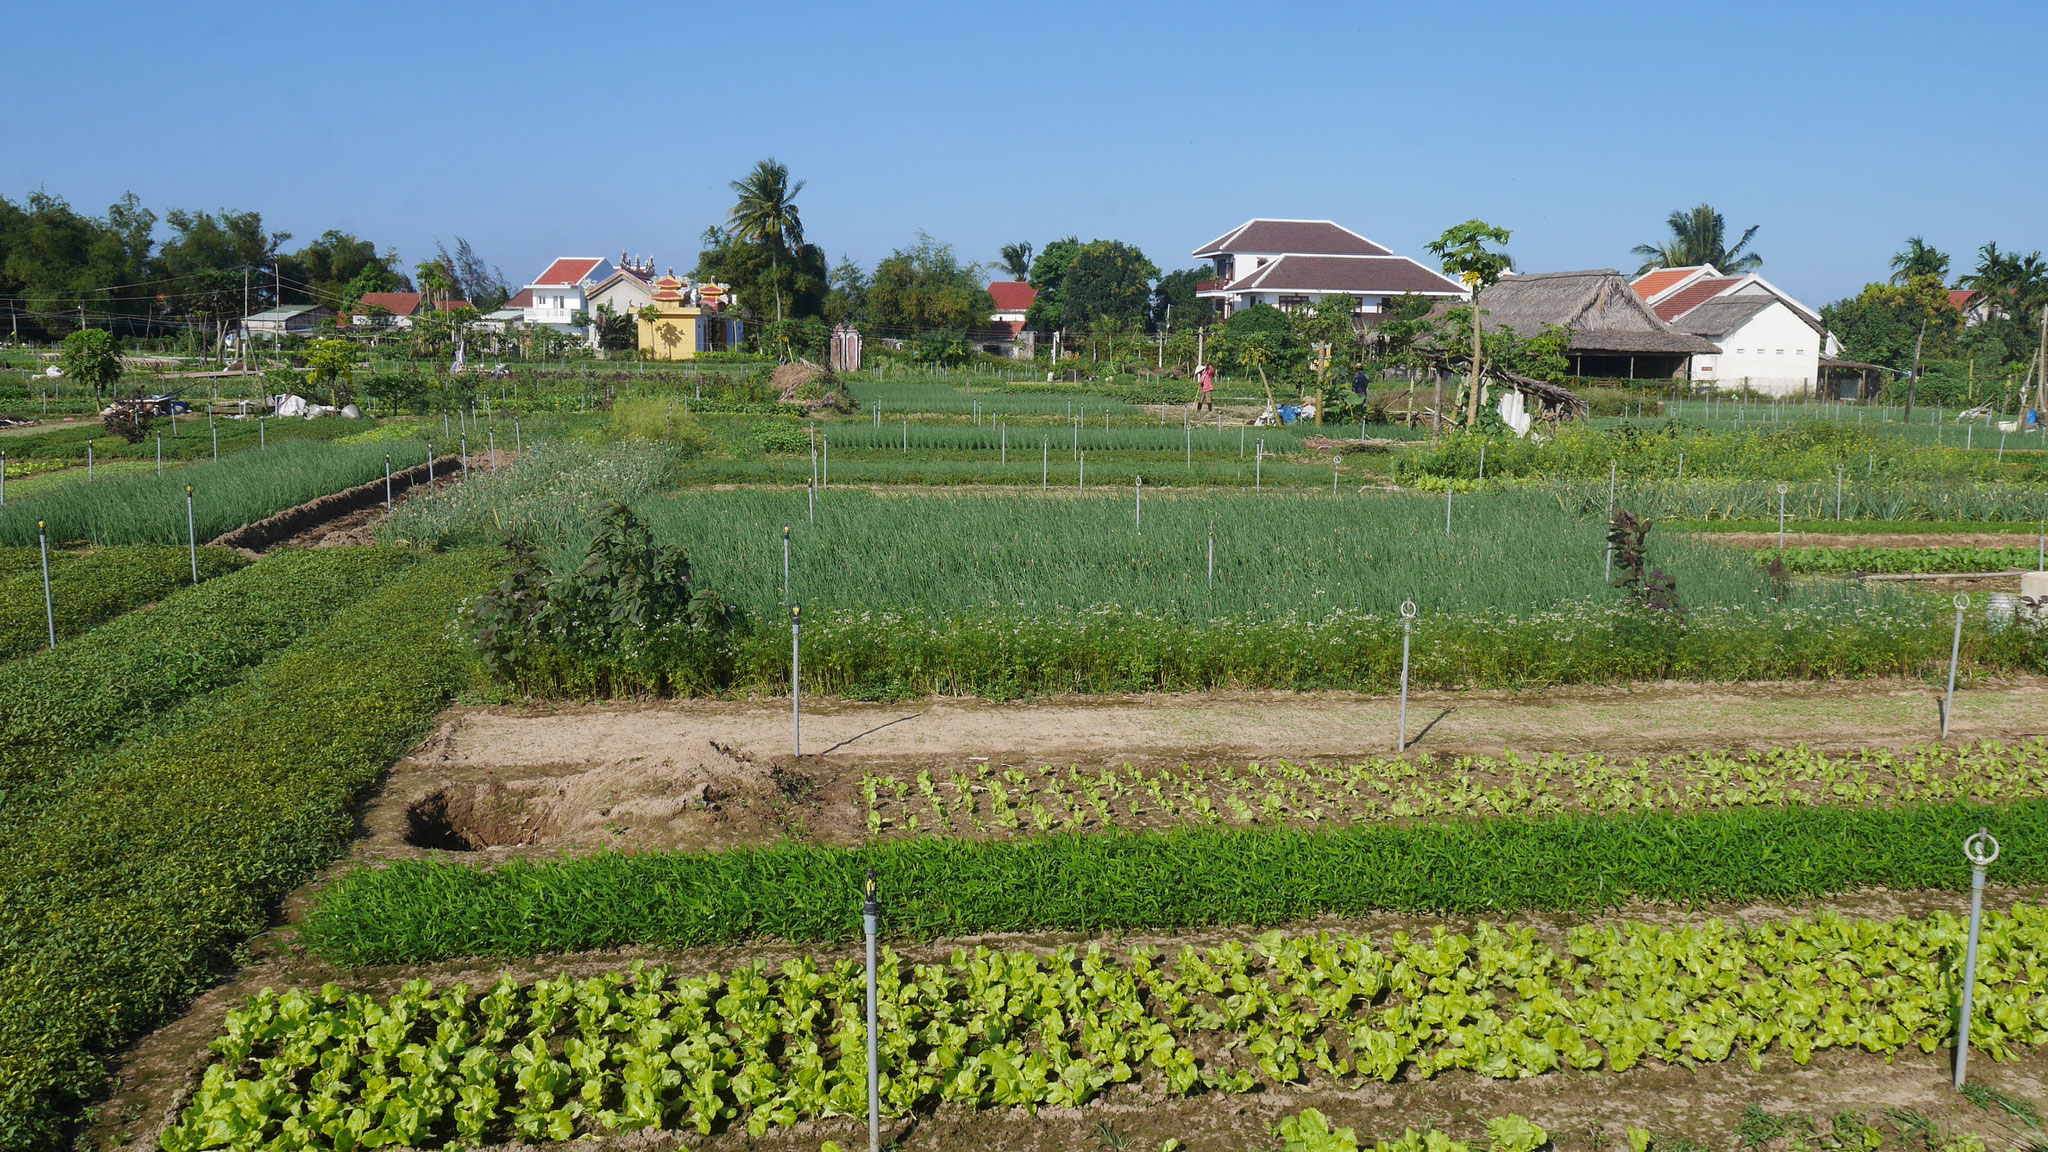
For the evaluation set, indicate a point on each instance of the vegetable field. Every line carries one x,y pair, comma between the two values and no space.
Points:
765,1049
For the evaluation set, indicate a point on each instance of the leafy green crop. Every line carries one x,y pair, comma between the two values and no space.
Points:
132,673
98,586
131,891
982,800
432,910
1941,558
988,1028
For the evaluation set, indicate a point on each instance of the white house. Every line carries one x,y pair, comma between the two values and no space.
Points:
1007,335
558,293
1770,341
627,290
1291,264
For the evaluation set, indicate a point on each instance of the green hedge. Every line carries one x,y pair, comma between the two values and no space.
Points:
98,586
128,674
131,893
421,911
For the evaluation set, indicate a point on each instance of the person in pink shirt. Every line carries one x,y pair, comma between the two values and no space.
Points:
1207,376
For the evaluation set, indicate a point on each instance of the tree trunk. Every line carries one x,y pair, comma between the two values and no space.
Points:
1472,402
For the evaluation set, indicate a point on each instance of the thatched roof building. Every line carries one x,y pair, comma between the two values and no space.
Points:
1614,333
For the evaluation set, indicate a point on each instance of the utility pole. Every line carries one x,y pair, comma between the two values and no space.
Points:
243,348
2041,360
1472,402
1915,377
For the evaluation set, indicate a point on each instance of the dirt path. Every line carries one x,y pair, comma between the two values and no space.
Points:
1648,719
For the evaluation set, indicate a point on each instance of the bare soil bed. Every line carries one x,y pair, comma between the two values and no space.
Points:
494,783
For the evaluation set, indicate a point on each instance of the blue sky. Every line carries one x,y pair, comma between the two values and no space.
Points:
542,130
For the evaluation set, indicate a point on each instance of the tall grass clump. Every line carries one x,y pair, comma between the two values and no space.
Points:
556,490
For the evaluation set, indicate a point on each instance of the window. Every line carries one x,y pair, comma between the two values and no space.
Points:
1738,351
1781,351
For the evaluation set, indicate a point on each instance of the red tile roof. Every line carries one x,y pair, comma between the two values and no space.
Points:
1959,299
523,300
1306,237
1651,283
1692,296
396,303
568,270
452,305
1012,295
1359,275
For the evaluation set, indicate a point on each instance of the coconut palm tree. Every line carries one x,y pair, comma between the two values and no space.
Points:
1699,236
1017,260
1919,259
766,214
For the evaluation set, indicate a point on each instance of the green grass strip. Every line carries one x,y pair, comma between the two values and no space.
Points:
1913,560
420,911
132,892
96,587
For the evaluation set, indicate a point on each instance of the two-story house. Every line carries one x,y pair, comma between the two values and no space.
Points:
1292,264
559,293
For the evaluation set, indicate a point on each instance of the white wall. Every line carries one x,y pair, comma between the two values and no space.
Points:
1776,351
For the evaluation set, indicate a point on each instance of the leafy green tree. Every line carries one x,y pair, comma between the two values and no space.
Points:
925,287
229,241
1880,324
1265,329
330,265
756,272
2014,285
1919,259
331,368
1017,260
436,281
1462,251
54,258
1107,279
846,301
1699,236
1049,275
89,357
766,214
1177,290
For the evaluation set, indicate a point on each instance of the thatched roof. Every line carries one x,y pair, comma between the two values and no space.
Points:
1604,314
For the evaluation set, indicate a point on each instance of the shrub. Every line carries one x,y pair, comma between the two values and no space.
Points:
627,619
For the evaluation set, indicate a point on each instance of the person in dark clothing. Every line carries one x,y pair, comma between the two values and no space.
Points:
1359,382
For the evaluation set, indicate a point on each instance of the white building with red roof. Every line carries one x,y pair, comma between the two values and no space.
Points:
1292,264
557,294
1007,337
1770,342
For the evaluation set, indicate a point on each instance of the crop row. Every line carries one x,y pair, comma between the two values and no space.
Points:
1014,1028
418,911
135,672
1002,654
239,489
132,889
989,800
1939,558
97,586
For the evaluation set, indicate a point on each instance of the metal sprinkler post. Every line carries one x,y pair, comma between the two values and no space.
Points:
1955,651
1407,631
1981,850
870,920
